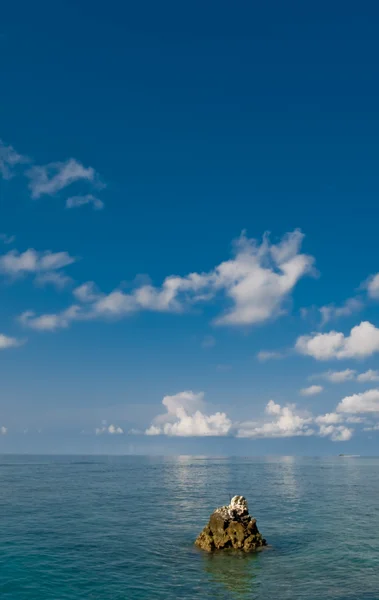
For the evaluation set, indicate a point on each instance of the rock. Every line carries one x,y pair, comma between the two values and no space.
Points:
231,527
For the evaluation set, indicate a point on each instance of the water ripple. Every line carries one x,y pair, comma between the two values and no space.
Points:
122,528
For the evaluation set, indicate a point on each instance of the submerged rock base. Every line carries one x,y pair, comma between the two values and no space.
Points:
231,527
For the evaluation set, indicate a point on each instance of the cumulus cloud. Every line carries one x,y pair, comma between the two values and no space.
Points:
337,433
348,375
257,282
312,390
109,429
186,417
369,375
363,341
54,177
328,419
15,263
260,278
9,342
9,159
287,422
3,430
330,426
76,201
364,402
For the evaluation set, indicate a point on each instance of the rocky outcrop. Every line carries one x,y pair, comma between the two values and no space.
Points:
231,527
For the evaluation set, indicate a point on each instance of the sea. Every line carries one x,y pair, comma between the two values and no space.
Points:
123,527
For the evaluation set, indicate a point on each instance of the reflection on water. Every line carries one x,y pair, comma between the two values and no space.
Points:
288,477
235,571
123,528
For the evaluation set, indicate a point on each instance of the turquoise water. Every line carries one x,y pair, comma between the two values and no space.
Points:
122,528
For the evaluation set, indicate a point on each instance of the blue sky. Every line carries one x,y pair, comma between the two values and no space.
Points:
144,148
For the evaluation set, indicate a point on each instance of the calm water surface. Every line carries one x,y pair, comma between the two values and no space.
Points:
122,528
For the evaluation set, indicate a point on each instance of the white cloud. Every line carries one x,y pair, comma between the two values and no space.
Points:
258,281
330,312
364,402
54,177
76,201
373,286
86,292
355,419
9,342
328,419
3,430
264,355
9,159
15,263
55,278
363,341
312,390
348,375
95,305
288,422
335,376
260,278
109,429
49,322
112,429
185,417
337,433
116,304
340,376
369,375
